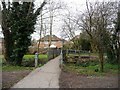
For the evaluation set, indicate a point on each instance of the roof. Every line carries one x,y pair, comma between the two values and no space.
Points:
53,38
58,44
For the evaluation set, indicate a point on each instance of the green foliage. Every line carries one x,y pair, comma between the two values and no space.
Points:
110,57
113,46
20,20
85,44
29,60
89,70
15,68
27,57
113,49
1,58
40,65
41,56
22,26
82,42
92,69
88,63
111,66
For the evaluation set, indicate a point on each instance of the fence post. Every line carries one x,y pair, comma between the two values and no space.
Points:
53,50
36,59
89,55
48,54
61,60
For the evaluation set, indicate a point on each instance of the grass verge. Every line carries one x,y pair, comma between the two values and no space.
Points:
15,68
91,69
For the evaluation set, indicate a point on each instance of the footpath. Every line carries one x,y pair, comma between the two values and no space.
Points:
46,76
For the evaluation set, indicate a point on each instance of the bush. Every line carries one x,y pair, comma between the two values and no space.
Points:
29,60
28,63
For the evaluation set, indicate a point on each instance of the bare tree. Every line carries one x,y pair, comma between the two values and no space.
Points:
69,28
95,22
46,20
40,31
0,15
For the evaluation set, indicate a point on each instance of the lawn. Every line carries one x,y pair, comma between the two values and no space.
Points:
10,68
91,69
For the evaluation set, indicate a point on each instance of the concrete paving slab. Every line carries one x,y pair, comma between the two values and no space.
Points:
46,76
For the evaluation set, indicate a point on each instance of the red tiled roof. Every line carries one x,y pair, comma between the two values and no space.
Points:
53,38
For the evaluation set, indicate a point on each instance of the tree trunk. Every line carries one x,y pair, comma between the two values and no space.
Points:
7,34
51,23
7,49
19,61
101,58
7,44
41,29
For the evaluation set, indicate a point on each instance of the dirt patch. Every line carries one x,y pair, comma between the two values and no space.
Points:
10,78
73,80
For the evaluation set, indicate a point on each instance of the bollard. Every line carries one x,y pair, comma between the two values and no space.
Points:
89,55
36,59
61,59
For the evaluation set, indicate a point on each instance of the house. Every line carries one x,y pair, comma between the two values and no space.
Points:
55,41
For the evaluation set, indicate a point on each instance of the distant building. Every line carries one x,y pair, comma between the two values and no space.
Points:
56,41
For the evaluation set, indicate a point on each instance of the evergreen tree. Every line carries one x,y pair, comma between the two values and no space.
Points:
19,19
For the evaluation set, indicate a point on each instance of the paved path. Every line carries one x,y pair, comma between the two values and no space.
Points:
46,76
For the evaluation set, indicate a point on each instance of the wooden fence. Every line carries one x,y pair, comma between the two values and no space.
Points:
75,55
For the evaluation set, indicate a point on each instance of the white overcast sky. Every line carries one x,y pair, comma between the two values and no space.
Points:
73,5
